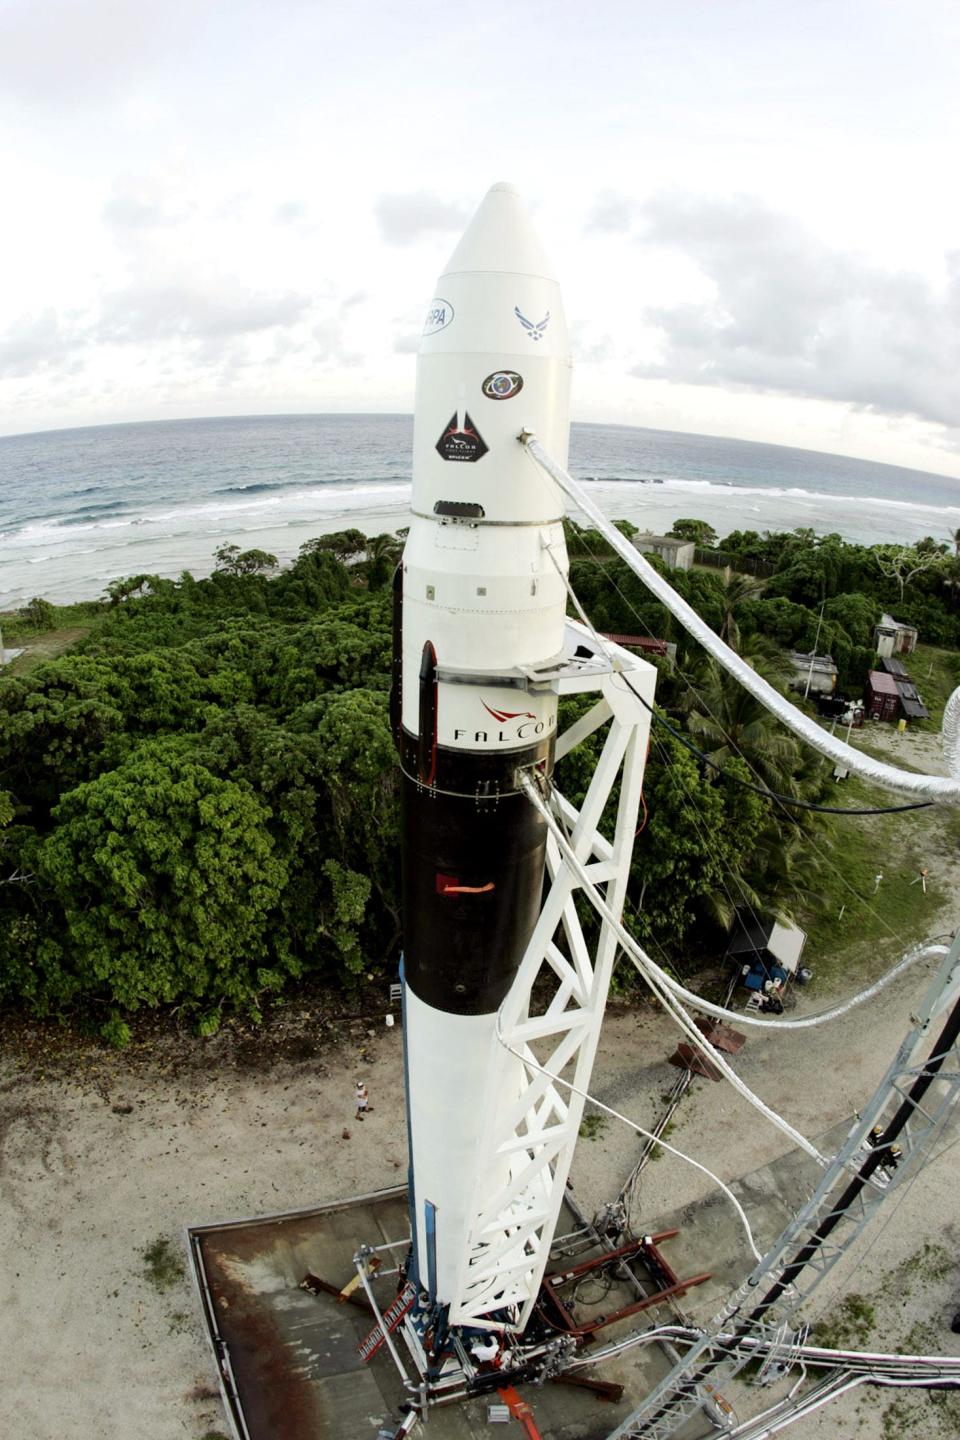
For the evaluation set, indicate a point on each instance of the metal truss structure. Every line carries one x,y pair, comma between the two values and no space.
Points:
888,1145
532,1125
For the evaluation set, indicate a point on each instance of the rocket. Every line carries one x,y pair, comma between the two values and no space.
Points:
479,604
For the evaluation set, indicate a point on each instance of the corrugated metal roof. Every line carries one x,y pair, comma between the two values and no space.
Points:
895,667
639,642
882,684
913,706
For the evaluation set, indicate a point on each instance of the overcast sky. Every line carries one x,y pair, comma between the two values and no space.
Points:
215,207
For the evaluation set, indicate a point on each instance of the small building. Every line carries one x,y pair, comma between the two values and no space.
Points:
890,693
675,553
910,702
765,950
892,638
819,670
881,698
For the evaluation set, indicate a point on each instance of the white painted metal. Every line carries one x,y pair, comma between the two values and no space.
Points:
527,1142
484,592
449,1058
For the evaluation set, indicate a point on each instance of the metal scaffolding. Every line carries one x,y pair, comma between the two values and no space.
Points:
887,1146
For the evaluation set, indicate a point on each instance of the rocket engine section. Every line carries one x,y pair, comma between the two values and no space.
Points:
480,605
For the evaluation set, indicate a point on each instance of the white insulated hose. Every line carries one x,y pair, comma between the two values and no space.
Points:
945,789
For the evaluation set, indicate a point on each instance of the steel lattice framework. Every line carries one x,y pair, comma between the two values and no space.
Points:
886,1147
531,1123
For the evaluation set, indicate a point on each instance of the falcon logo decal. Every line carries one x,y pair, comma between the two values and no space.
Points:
502,716
535,331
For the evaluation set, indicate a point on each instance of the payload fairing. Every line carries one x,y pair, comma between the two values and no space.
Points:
480,603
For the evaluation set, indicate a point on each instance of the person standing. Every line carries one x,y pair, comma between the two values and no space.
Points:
362,1099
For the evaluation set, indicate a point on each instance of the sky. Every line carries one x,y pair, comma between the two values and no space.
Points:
223,207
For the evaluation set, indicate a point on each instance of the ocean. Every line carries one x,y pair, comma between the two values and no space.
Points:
79,508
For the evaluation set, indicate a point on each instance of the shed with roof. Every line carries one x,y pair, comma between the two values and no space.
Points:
891,637
675,553
881,698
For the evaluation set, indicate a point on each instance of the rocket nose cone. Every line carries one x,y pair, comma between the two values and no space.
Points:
500,237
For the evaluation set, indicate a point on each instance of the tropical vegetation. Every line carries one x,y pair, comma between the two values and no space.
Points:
199,800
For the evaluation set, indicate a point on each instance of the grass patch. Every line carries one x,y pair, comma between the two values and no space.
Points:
592,1127
45,641
851,1323
162,1266
936,674
42,646
853,921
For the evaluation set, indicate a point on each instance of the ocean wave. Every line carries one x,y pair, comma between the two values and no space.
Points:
780,492
84,513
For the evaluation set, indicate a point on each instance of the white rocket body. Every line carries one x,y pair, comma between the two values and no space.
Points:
482,601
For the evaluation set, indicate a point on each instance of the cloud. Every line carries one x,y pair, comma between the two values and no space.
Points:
790,314
611,215
63,50
33,343
404,218
141,314
139,204
290,212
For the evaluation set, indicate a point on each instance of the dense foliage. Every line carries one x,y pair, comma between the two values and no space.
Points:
199,801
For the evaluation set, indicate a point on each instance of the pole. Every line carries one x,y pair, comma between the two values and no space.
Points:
813,657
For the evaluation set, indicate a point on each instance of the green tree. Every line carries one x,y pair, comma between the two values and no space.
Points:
698,531
167,883
343,545
903,563
39,613
231,560
383,555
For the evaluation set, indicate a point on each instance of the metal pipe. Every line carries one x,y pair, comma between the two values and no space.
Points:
817,1355
388,1338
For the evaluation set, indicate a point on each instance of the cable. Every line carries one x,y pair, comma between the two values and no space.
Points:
528,1060
654,977
714,764
764,790
645,964
951,727
693,806
934,787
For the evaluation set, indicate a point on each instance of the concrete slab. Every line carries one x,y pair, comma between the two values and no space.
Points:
288,1362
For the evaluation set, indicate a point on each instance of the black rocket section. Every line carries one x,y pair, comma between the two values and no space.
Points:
473,857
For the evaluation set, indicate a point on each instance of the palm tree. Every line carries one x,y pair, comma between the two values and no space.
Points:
736,589
383,553
731,722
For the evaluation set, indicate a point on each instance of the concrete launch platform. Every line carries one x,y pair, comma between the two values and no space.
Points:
288,1359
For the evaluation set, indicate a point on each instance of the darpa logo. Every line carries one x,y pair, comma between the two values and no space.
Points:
439,316
511,726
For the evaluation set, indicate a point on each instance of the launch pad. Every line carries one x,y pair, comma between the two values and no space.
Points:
288,1352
